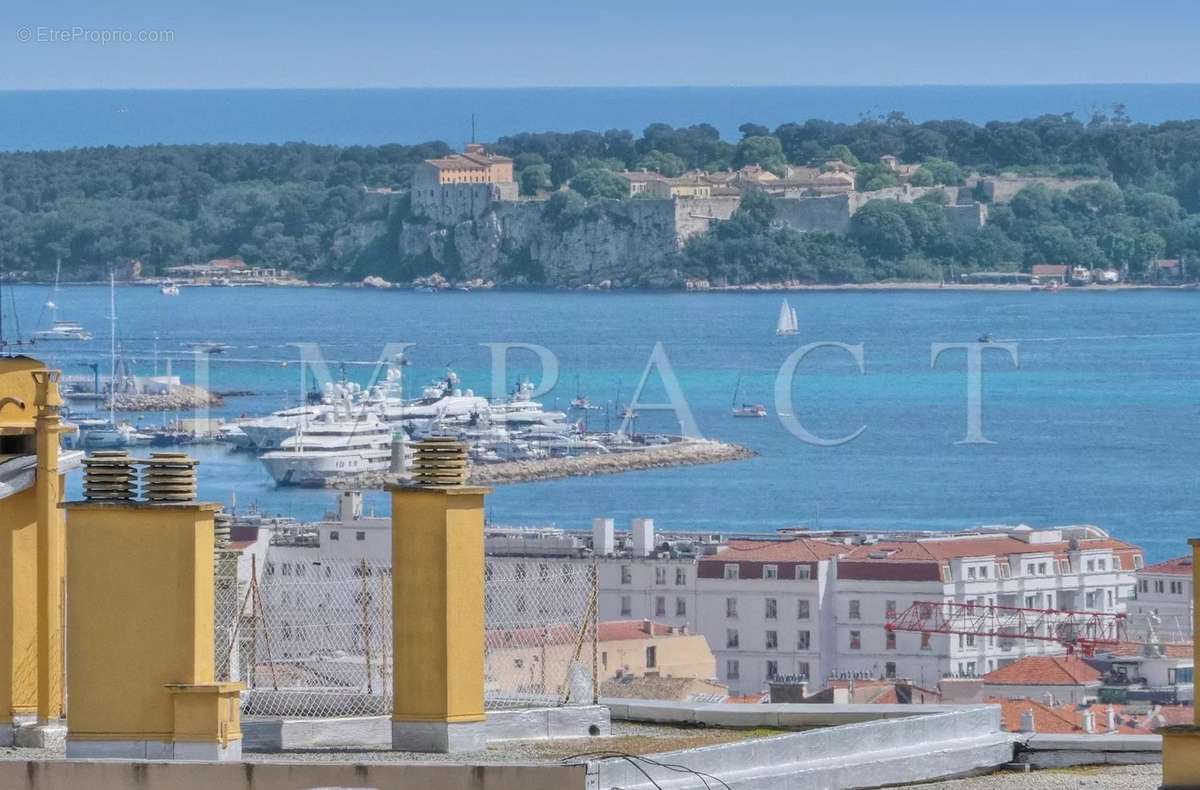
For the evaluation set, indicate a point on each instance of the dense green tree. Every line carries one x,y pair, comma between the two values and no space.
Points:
669,165
598,182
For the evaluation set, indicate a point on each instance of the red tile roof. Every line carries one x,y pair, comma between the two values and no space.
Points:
1131,649
1045,718
1181,566
1044,671
561,633
796,550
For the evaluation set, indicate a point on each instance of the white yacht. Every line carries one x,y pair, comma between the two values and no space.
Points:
332,445
268,433
787,323
169,289
62,330
108,435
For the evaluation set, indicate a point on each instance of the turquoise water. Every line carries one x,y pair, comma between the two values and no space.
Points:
1099,423
65,119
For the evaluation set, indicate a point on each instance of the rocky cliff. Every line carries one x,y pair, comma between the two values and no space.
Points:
518,243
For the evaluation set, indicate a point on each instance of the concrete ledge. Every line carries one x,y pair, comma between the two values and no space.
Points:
153,750
51,735
150,775
777,715
1063,751
438,737
913,748
273,735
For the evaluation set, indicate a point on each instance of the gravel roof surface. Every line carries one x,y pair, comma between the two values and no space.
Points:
1123,777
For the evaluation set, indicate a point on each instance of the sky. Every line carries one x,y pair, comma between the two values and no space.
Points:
80,44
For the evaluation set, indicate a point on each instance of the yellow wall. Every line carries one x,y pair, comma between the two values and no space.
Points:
18,604
140,615
17,384
438,594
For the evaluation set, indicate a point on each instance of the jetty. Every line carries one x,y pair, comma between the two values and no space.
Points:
689,452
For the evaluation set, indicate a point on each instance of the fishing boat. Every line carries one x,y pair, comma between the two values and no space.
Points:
60,330
787,324
746,409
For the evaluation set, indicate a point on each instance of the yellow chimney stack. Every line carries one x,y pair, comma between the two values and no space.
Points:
140,624
438,604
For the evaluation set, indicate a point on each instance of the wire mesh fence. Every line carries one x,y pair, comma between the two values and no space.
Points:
314,639
541,633
310,639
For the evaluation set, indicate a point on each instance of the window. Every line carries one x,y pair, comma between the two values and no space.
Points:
802,609
680,577
803,640
732,670
772,640
660,575
804,571
925,643
802,669
731,607
971,669
1145,585
1177,675
1003,571
971,572
1110,598
889,669
1091,566
1177,588
681,607
772,670
983,571
770,572
626,574
1030,569
771,609
889,608
626,606
1064,566
1158,586
1041,569
856,640
660,606
604,659
333,534
970,640
1137,562
855,609
731,570
889,640
651,657
360,535
1102,565
731,639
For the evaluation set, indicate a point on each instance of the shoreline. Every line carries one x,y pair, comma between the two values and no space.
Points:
685,453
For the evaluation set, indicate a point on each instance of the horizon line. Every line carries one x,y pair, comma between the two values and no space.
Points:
694,86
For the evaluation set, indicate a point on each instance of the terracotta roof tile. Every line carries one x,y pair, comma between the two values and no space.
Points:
1045,718
796,550
1181,566
1044,671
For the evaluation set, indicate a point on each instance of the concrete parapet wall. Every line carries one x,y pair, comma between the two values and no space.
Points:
1063,751
920,746
116,775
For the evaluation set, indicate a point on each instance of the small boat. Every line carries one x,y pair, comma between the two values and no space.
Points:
746,409
169,289
787,324
60,330
111,435
208,347
63,330
986,339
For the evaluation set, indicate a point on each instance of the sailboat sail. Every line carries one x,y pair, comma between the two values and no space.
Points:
787,323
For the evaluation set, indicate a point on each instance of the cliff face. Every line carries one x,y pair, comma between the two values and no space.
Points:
522,242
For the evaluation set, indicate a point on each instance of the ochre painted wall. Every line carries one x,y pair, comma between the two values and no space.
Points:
140,614
438,593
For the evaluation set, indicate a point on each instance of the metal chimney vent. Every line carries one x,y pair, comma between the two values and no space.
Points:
109,476
169,477
440,461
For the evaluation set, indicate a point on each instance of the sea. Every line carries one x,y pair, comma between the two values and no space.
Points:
1096,420
33,120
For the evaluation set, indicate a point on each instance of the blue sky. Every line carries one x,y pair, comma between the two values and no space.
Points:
398,43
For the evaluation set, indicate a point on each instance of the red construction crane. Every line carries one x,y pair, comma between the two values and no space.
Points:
1083,631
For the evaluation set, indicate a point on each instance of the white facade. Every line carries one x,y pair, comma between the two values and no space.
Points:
1164,603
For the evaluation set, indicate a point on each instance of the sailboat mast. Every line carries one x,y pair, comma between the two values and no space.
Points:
112,346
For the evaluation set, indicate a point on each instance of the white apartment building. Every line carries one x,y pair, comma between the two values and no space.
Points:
1164,603
809,604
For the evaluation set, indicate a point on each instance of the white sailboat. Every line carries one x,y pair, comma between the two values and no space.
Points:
787,324
60,330
113,434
